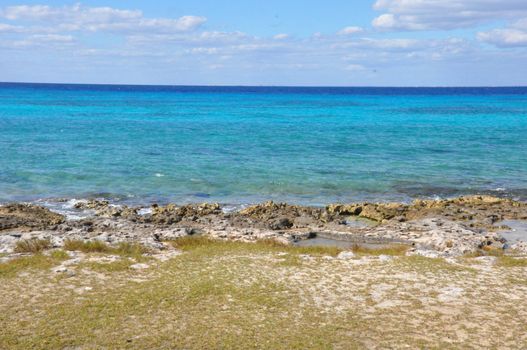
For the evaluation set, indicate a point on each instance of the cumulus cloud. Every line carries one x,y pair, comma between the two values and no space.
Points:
504,37
78,17
444,14
350,30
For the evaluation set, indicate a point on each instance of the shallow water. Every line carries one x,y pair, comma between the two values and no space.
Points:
321,241
243,145
518,231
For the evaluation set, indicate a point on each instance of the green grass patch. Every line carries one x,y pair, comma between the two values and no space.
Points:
38,261
207,245
86,246
485,251
59,255
510,261
393,250
423,264
132,250
125,249
32,246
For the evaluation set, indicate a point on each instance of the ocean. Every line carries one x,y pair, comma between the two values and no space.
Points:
241,145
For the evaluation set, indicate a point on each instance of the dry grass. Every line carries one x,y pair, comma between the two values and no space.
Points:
197,243
32,246
510,261
125,249
38,261
233,295
393,250
486,251
86,246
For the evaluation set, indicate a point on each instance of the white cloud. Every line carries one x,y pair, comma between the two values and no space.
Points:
281,36
52,38
47,41
383,44
78,17
8,28
75,13
504,37
514,35
444,14
350,30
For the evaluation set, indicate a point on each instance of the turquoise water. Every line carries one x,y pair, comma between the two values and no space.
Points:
244,145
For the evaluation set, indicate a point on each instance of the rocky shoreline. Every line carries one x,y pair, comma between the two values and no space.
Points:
448,227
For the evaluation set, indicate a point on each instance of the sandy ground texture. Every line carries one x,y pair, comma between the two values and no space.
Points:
203,294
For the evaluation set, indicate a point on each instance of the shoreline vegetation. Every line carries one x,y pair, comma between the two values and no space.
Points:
195,276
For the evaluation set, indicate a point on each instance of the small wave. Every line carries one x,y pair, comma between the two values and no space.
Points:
231,208
66,207
144,211
160,175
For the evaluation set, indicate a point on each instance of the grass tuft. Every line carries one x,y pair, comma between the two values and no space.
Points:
32,246
86,246
59,255
124,249
510,261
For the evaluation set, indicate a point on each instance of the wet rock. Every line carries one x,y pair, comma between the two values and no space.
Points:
91,204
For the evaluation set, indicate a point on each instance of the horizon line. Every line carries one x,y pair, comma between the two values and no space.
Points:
274,86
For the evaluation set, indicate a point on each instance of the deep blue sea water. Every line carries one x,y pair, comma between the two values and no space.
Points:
236,145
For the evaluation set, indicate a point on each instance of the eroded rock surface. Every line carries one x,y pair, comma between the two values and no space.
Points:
450,227
27,217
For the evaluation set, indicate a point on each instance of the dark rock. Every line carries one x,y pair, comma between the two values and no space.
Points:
28,216
283,223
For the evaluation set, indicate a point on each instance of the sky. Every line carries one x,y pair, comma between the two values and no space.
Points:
272,42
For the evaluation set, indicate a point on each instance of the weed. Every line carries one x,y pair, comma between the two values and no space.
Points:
32,246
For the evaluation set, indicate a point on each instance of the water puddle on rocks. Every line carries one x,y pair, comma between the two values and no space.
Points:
518,231
321,241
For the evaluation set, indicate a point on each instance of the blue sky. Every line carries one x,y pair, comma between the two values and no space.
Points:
330,43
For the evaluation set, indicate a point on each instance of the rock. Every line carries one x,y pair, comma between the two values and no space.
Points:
172,214
266,215
140,266
27,217
346,255
91,204
427,253
342,209
283,223
59,269
385,258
